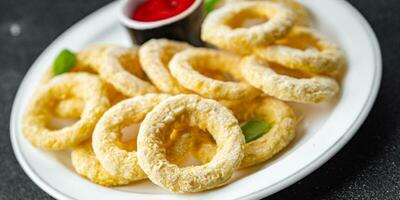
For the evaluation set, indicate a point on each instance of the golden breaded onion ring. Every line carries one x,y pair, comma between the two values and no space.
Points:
313,54
87,60
86,164
272,111
117,161
184,64
302,90
113,70
76,85
302,17
91,56
73,107
194,111
154,56
222,27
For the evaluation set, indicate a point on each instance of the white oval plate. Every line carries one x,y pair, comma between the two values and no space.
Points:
323,130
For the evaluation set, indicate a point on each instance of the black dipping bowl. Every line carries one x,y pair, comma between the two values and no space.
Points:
184,26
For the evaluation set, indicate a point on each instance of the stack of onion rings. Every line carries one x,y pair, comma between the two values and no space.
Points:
117,161
86,164
187,143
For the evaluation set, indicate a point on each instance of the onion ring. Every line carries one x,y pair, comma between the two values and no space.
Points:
86,164
302,16
116,68
105,139
302,90
78,85
183,67
194,111
222,27
268,109
282,132
91,57
73,107
154,56
319,55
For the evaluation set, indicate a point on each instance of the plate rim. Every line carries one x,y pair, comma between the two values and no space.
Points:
282,184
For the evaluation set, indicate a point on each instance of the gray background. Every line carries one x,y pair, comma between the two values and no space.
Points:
367,167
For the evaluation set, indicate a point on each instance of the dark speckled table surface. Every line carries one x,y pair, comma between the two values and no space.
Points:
368,167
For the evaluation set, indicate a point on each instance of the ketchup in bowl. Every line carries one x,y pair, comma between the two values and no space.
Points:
155,10
171,19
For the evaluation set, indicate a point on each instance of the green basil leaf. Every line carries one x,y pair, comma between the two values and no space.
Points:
209,5
254,129
64,62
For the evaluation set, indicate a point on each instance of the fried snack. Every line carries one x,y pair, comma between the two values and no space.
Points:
301,14
224,27
77,85
302,17
73,107
91,57
186,66
120,67
268,109
306,50
106,136
154,57
302,90
86,164
69,108
193,111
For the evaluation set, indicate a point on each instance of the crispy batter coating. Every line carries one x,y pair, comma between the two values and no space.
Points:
118,69
301,14
106,137
91,57
303,90
185,67
195,112
73,107
271,110
86,164
154,56
306,50
71,85
224,27
283,121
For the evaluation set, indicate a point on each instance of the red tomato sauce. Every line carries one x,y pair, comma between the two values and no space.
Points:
155,10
